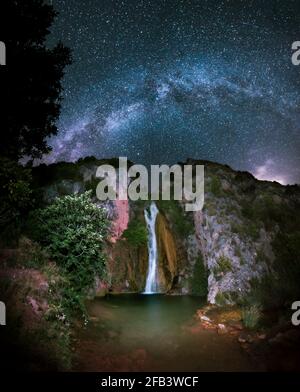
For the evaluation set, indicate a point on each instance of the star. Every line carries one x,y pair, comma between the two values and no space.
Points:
163,81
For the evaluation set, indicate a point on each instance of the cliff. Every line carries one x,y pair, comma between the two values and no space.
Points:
224,249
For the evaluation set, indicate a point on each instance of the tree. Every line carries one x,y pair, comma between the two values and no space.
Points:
16,198
33,75
73,230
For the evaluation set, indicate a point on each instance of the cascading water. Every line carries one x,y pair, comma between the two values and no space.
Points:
151,282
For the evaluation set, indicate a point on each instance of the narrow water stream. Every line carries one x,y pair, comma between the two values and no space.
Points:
151,281
153,333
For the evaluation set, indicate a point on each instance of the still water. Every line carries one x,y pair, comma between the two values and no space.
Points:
153,333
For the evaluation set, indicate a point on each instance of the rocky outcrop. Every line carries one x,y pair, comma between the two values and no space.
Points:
236,229
120,223
127,267
167,256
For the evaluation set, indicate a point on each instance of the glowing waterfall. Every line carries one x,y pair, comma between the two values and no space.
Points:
151,282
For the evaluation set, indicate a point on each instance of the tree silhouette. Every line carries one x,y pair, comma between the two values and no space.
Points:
33,75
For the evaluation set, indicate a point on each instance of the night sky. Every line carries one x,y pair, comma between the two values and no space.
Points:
163,80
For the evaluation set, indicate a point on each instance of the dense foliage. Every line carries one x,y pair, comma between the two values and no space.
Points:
199,283
181,221
15,196
136,233
72,230
280,287
251,316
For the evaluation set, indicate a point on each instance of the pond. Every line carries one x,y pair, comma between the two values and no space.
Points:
153,333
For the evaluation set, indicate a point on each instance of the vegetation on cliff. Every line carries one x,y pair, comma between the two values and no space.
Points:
198,280
136,233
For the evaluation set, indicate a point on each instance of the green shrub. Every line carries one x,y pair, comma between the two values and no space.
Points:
31,254
251,316
182,222
247,209
264,292
48,340
199,282
280,286
91,185
211,210
49,174
221,299
72,230
59,314
215,186
286,246
15,199
261,257
237,228
223,266
136,233
266,210
249,229
252,230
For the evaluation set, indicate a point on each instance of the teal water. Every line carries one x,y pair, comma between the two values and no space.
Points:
153,332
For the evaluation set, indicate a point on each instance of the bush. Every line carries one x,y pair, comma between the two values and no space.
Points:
265,210
91,185
182,222
223,266
221,299
287,265
278,288
31,254
215,186
73,230
252,230
247,209
15,199
251,316
199,283
136,233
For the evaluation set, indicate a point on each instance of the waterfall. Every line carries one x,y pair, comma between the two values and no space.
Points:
151,282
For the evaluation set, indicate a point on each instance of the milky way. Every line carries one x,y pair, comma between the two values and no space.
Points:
161,81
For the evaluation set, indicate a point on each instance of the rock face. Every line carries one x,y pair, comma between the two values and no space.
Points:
167,255
120,223
127,267
236,228
232,236
129,264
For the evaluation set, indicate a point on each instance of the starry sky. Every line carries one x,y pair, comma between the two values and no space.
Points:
160,81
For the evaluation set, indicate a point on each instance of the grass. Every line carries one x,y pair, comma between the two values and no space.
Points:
251,316
223,266
136,233
223,299
215,186
249,229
